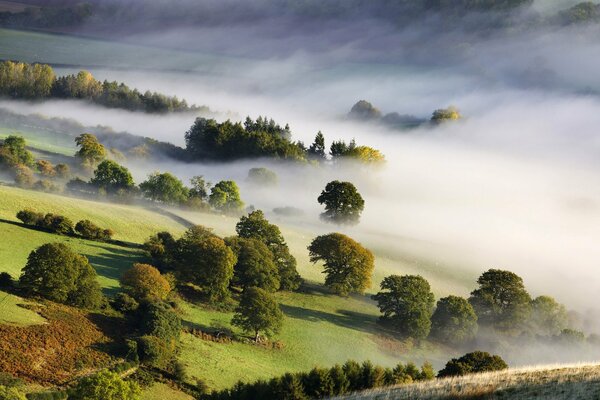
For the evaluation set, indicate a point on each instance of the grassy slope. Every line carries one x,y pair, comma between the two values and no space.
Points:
160,391
11,313
556,382
48,141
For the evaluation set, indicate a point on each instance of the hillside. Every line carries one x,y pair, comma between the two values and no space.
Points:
555,382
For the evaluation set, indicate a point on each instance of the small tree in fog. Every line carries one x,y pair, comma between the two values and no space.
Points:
407,304
343,203
112,177
225,197
165,188
91,151
317,148
258,312
347,264
200,187
548,317
262,177
454,321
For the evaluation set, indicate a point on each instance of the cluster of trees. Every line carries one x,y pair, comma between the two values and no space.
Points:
326,382
38,81
47,17
584,12
500,304
64,226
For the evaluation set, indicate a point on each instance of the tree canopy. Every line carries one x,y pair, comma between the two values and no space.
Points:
14,151
144,282
343,203
347,264
477,361
112,177
164,187
258,312
407,304
106,385
454,321
91,151
225,197
255,266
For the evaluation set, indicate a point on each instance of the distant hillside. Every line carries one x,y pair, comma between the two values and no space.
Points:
556,382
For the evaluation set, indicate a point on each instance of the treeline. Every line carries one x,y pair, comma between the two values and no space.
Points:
62,225
38,81
325,382
47,17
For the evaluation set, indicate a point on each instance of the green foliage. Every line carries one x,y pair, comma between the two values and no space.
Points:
477,361
91,151
225,197
208,139
165,188
254,266
112,177
88,230
258,312
6,280
125,303
256,226
548,317
144,282
15,151
501,301
262,177
162,248
30,217
343,203
11,393
208,263
106,386
445,114
159,320
316,151
25,81
50,222
156,352
584,12
347,264
454,321
200,188
55,272
407,304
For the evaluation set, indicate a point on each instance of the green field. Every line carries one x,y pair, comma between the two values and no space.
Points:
13,314
160,391
47,141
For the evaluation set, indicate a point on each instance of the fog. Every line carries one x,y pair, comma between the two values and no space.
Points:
514,185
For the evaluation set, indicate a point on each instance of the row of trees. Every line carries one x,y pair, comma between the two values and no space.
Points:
64,226
38,81
500,304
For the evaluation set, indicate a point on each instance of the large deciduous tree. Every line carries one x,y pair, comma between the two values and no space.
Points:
454,321
225,197
255,266
256,226
91,151
165,188
548,317
258,312
347,264
343,203
112,177
407,304
501,301
144,282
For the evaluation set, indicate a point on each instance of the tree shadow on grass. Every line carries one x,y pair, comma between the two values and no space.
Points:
347,319
111,262
318,289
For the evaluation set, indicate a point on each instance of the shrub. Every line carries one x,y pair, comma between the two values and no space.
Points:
89,230
155,352
29,217
8,393
144,282
6,280
158,319
106,386
125,303
58,224
179,371
477,361
143,378
47,186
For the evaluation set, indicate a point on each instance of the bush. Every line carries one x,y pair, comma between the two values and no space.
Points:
57,224
6,281
125,303
179,371
45,185
144,282
477,361
143,378
158,319
11,393
106,386
48,396
30,217
155,352
88,230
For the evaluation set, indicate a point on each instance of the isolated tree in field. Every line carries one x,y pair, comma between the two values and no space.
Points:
208,263
256,226
55,272
258,312
16,149
343,203
255,266
106,385
165,188
316,150
477,361
91,151
112,177
407,304
262,177
347,264
548,317
501,301
144,282
225,197
454,321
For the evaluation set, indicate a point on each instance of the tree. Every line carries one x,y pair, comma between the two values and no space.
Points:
262,177
11,393
258,312
343,203
16,147
91,151
45,168
318,384
347,264
454,321
112,177
88,230
63,171
158,319
548,317
200,187
106,385
365,111
407,304
162,248
256,226
165,188
24,176
255,265
225,197
446,114
55,272
208,263
501,301
477,361
144,282
289,387
316,150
